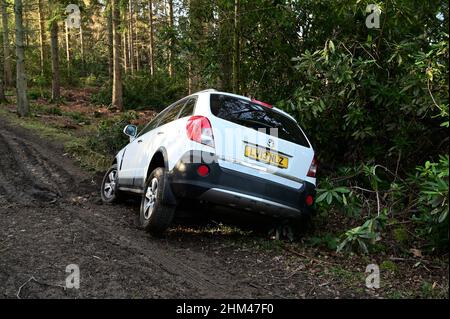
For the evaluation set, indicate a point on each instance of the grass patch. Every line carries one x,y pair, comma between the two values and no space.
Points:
75,146
347,277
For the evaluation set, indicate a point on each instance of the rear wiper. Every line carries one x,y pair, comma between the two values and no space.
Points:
246,111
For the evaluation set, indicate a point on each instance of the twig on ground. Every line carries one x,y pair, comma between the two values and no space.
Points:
23,285
295,271
308,257
38,282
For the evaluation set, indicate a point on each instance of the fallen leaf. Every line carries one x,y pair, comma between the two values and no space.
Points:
416,252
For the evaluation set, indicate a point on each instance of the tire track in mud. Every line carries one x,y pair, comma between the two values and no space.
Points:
44,174
189,269
40,185
15,179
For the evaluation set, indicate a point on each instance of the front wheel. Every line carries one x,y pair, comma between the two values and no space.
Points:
109,190
155,216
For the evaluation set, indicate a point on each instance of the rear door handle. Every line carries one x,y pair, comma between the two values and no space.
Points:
160,133
139,141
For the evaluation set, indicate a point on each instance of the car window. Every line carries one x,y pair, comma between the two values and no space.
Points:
255,116
153,123
188,108
172,112
166,116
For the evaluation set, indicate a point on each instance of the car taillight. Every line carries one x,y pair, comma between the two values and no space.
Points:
313,168
203,170
309,200
198,129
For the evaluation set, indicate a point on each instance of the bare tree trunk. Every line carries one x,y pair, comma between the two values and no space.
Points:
2,92
191,77
82,46
137,46
56,89
131,35
225,26
236,48
110,45
190,84
26,31
7,69
125,57
67,50
171,38
42,35
126,52
152,43
2,88
21,79
117,99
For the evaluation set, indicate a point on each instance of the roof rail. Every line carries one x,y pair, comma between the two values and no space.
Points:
207,90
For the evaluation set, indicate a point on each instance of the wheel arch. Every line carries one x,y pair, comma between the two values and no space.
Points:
159,159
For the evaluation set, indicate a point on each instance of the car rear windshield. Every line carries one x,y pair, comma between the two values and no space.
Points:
255,116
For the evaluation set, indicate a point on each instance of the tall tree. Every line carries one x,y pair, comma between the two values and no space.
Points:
42,35
225,33
82,46
2,86
195,35
7,69
21,78
236,47
54,50
68,56
131,47
110,43
56,88
125,44
152,43
2,92
137,43
117,99
171,54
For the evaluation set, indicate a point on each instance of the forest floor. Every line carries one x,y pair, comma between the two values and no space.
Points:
51,216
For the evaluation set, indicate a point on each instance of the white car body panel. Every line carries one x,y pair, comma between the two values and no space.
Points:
230,140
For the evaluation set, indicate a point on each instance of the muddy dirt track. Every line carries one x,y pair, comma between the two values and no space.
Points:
51,216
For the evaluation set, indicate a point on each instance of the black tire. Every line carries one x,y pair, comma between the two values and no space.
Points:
157,217
109,190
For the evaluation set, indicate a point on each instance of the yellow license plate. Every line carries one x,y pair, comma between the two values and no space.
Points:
266,156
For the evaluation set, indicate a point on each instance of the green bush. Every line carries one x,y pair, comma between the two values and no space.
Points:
363,236
432,218
92,80
35,93
110,138
42,109
78,117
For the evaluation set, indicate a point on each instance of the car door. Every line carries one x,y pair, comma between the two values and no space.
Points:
153,140
135,151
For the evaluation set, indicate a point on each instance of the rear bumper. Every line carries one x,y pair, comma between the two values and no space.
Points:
238,190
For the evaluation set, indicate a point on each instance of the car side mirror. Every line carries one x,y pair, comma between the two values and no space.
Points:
131,131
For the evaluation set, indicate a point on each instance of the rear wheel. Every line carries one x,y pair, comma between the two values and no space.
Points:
155,216
109,190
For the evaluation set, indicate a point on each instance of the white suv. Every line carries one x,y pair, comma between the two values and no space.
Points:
220,148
